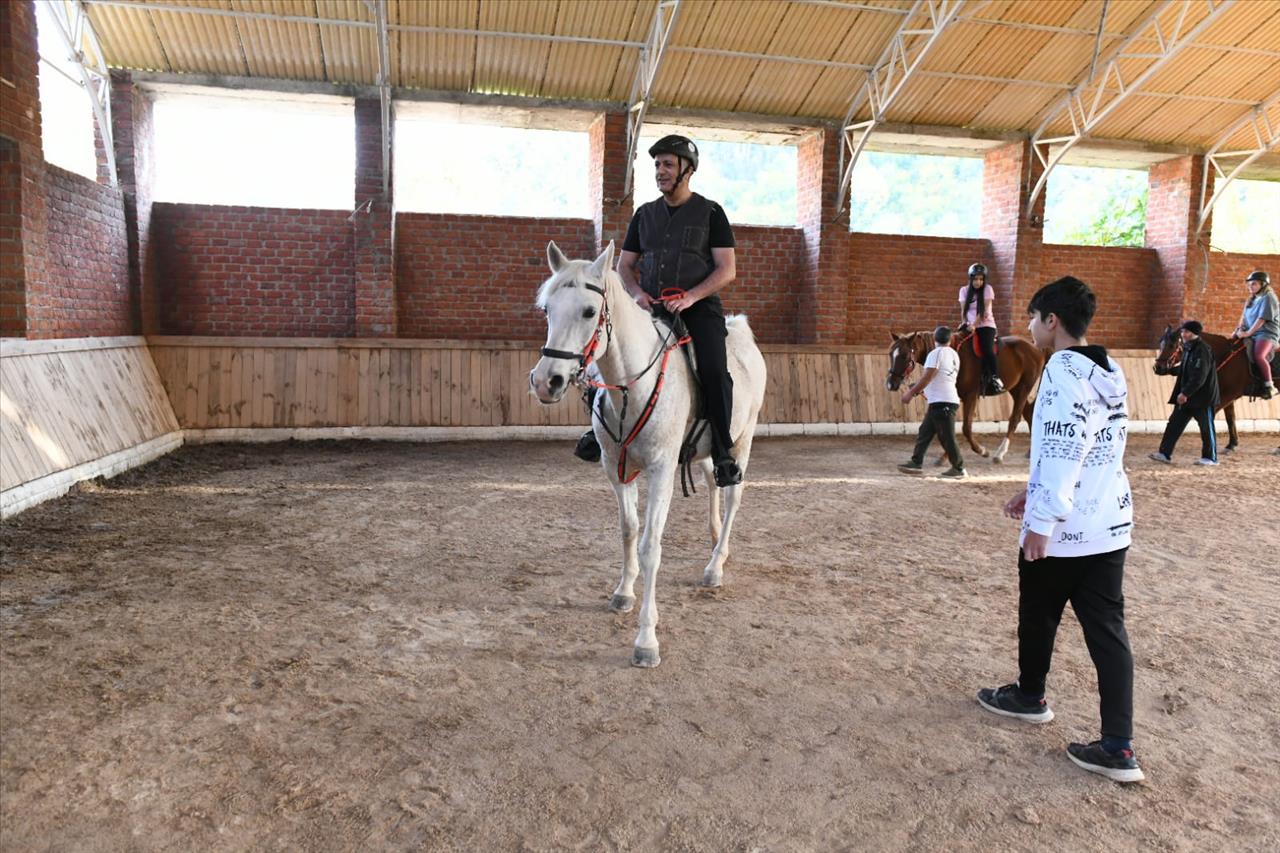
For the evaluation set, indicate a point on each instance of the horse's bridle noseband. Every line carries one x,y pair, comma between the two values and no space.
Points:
1172,359
585,357
911,361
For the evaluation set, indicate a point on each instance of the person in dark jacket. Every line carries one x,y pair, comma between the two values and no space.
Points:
1195,395
684,241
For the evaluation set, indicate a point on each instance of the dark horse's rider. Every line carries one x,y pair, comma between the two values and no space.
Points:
684,241
977,302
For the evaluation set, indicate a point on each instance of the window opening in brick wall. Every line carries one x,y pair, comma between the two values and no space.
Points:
756,184
1245,218
1095,206
926,194
445,166
255,150
66,113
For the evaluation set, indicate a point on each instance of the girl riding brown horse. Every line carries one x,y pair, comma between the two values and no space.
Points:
1019,363
1234,376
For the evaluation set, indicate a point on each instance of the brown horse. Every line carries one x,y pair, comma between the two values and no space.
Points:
1019,362
1234,375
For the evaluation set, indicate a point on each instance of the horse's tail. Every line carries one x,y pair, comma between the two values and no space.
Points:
739,321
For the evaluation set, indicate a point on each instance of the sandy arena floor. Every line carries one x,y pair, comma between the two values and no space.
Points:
363,646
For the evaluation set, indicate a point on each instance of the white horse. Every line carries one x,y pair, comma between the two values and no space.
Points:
593,322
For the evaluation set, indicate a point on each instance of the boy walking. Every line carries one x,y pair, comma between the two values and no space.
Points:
938,384
1077,515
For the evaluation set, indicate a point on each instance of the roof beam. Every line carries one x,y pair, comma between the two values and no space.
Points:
1266,137
665,15
886,80
1094,98
76,32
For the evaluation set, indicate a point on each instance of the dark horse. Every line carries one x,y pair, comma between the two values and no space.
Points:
1019,363
1234,375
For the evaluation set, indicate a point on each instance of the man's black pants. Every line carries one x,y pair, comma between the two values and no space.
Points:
705,322
1093,585
939,420
1178,421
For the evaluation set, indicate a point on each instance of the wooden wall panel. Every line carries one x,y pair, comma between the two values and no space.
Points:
64,403
272,382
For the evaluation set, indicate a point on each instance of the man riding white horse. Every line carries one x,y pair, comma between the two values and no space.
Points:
683,241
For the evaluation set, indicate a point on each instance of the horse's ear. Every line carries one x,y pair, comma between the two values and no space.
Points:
555,258
604,262
895,336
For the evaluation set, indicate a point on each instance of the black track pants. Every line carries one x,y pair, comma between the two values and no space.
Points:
1093,585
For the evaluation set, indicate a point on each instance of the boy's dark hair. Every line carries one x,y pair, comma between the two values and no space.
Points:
1070,299
942,334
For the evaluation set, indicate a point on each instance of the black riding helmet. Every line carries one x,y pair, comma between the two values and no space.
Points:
977,270
681,146
1259,275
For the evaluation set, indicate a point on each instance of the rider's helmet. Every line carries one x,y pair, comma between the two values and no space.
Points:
1192,326
681,146
976,270
1259,275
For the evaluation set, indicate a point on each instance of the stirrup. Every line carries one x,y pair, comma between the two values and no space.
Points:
994,387
588,449
728,473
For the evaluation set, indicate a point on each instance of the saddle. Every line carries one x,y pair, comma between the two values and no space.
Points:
1256,386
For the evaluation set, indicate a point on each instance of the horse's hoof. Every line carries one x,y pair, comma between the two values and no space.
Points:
622,603
711,581
1230,448
997,460
645,658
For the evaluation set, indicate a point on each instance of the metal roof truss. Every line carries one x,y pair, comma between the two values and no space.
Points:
77,33
1093,99
664,23
918,33
1266,136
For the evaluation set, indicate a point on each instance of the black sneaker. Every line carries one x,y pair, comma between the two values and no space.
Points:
954,474
911,467
728,473
1119,766
1008,701
588,449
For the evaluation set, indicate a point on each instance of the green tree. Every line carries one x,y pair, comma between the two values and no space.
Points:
1122,221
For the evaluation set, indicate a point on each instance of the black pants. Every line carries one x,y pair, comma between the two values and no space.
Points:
939,420
705,322
987,344
1093,585
1178,421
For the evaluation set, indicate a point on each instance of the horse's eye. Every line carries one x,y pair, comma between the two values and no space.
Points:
588,313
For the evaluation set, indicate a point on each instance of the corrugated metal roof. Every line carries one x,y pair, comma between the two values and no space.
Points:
771,57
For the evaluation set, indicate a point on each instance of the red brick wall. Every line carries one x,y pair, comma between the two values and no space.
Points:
903,283
1219,304
1122,278
475,277
20,104
269,272
771,267
83,289
13,292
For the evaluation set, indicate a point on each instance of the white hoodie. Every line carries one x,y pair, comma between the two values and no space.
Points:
1078,494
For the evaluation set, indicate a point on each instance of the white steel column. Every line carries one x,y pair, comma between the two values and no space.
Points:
1094,98
76,31
918,33
379,10
1266,136
664,23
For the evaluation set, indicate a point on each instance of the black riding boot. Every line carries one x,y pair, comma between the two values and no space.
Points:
992,386
726,468
588,449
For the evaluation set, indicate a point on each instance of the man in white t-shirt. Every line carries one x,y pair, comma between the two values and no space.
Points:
938,384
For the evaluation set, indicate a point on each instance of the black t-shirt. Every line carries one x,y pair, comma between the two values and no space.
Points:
721,235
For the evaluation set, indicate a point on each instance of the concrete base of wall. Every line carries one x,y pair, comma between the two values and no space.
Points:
15,500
